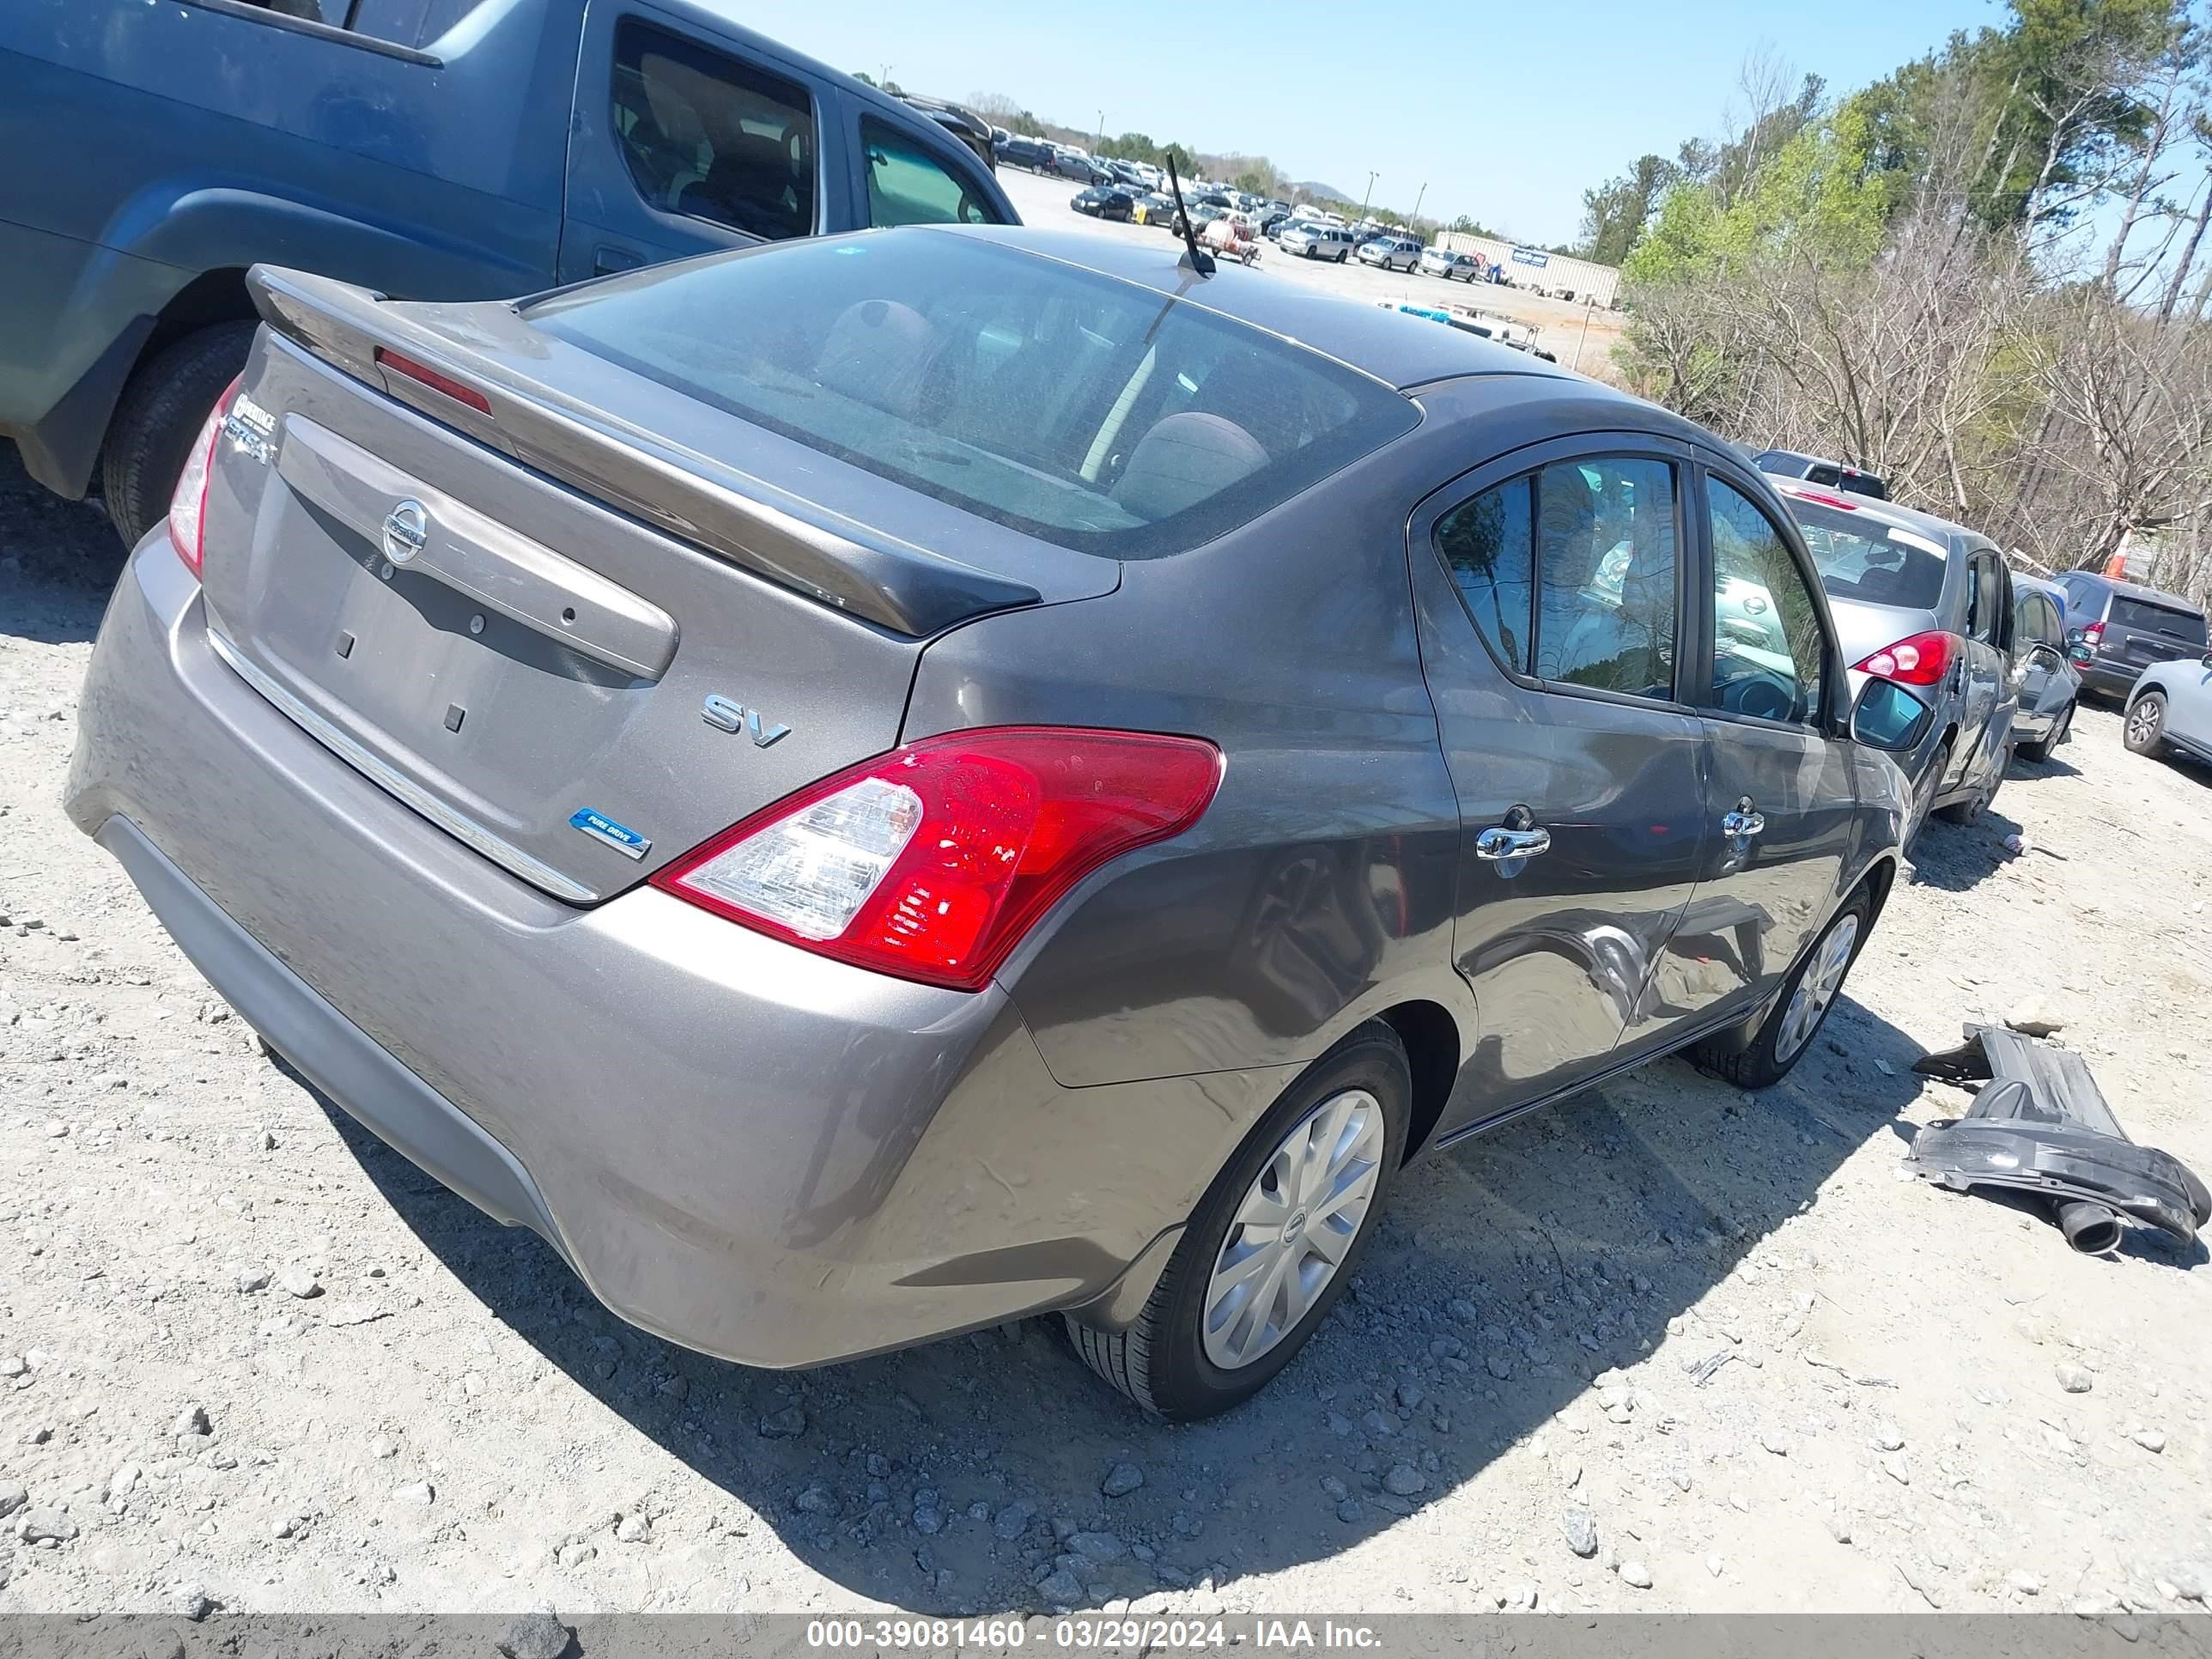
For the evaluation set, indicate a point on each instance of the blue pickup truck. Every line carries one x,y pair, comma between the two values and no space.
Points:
433,149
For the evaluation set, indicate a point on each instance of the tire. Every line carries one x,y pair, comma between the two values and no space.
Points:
1923,794
2145,731
156,419
1768,1058
1340,257
1163,1362
1970,811
2061,729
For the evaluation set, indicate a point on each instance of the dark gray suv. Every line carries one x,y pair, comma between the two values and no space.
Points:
2116,629
889,783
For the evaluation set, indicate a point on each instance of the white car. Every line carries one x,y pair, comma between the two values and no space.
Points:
1440,262
1390,252
2170,706
1318,242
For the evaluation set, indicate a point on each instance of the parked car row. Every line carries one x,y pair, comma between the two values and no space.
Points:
2004,657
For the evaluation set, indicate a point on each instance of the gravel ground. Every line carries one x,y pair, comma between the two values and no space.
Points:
1667,1347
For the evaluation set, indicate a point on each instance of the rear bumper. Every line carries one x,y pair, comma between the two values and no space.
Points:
738,1145
2113,679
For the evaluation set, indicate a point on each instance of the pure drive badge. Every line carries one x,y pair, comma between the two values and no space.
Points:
620,836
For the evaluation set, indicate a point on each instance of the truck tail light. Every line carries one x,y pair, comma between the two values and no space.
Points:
932,862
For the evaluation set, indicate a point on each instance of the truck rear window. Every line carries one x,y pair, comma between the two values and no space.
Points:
2186,627
1093,413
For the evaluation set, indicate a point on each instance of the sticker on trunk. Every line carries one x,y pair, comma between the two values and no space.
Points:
620,836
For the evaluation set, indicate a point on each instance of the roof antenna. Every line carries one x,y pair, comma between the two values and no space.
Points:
1200,261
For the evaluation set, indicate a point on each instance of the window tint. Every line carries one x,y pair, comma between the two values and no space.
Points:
907,185
2031,623
1604,556
2185,625
1984,598
1823,475
1860,559
1569,573
1768,655
1090,412
1489,544
710,138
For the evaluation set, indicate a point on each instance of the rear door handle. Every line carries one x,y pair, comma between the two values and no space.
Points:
1496,845
1737,825
606,261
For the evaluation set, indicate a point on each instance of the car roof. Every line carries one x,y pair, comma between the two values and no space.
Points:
2137,591
1957,536
2036,584
1401,350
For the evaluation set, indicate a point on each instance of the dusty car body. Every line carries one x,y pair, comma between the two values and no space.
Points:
777,773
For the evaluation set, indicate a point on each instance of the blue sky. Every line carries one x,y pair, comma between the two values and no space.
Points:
1508,113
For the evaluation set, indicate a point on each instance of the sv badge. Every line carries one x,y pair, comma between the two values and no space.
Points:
725,716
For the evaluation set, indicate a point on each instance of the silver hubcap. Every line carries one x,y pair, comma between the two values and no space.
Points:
1823,978
2143,722
1294,1228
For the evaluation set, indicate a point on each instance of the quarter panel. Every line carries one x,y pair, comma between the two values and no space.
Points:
1319,884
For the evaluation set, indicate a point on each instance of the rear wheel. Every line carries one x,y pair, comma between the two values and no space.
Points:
1272,1244
2060,728
1923,793
2146,729
1803,1007
1970,810
156,419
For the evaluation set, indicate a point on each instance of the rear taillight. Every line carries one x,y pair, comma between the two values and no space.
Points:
1921,659
188,507
932,862
2093,635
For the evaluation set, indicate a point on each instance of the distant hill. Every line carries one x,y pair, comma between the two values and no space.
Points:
1327,192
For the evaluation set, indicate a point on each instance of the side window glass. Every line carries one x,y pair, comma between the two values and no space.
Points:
1768,656
710,138
906,185
1489,546
1982,607
1605,560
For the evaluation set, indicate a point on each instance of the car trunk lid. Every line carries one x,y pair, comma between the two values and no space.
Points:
495,590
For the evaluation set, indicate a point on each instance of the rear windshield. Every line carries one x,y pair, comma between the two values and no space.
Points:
1871,562
2185,625
1089,412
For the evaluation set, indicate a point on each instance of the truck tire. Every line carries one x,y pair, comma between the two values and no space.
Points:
158,416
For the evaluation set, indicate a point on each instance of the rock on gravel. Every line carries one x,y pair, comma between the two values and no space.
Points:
191,1601
193,1420
1404,1480
13,1496
422,1492
2035,1019
2074,1379
536,1636
1635,1574
1122,1480
250,1279
787,1424
2026,1582
1579,1527
2151,1440
45,1526
298,1281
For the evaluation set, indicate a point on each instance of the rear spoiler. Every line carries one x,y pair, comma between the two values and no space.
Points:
797,544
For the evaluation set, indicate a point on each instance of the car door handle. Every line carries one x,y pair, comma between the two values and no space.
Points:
606,261
1498,845
1735,825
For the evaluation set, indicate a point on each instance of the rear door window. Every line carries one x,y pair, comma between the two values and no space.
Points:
1982,599
1569,573
907,185
1861,558
706,136
2186,627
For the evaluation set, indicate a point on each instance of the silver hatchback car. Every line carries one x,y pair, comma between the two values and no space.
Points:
1930,603
873,786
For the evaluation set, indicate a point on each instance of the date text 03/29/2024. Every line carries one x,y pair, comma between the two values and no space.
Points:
1007,1635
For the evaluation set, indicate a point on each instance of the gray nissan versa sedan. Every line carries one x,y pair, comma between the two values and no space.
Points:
873,786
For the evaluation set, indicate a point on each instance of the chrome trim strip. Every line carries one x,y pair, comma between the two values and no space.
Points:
460,825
